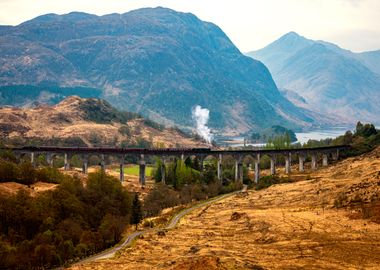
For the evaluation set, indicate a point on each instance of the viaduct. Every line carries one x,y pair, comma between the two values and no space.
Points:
165,153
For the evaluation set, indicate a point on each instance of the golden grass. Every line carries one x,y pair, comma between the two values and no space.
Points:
287,226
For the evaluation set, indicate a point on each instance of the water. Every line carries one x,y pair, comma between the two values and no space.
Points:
302,137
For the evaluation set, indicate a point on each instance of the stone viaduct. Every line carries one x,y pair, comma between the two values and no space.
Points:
202,153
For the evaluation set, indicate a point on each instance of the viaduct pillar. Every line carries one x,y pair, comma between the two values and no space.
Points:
219,165
32,159
66,164
313,161
201,159
272,164
142,171
257,168
288,159
85,164
324,160
301,158
122,169
163,171
238,169
102,162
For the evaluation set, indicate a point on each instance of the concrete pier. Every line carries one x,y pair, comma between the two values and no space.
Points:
66,165
301,158
219,169
122,169
32,160
257,168
201,160
288,159
142,171
324,160
238,169
102,162
163,171
272,164
313,161
240,172
85,164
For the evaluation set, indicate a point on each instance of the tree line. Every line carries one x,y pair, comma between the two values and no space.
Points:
59,226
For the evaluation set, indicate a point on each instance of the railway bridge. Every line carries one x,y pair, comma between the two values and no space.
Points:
315,154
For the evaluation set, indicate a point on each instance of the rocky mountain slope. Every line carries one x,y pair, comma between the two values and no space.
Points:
321,76
153,61
86,122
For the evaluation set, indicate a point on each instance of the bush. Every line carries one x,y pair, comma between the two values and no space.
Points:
267,181
9,172
232,186
125,130
341,200
159,198
49,175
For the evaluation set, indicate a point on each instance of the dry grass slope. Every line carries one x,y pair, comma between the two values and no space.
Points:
287,226
67,120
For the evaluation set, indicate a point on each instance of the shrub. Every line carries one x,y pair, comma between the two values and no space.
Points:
49,175
341,200
9,171
267,181
125,130
159,198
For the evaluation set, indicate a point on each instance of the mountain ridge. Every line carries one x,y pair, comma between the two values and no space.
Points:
330,79
153,61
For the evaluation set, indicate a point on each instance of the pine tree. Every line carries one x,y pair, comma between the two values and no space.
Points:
136,216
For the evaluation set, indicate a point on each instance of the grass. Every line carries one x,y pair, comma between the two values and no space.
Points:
134,170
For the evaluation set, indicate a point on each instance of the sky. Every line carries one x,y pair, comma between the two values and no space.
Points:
250,24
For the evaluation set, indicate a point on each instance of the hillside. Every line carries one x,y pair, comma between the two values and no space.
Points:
287,226
86,122
154,61
323,77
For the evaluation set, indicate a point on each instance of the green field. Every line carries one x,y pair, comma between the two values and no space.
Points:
134,170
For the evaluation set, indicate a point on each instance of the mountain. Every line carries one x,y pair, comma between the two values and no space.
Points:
82,122
153,61
321,76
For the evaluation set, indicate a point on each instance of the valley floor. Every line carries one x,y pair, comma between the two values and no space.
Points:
287,226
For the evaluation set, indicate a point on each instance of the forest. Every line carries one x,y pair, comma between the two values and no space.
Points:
58,226
79,218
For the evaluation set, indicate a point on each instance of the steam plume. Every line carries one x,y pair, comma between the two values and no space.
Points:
201,117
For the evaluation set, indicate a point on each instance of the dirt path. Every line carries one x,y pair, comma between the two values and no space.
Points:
173,222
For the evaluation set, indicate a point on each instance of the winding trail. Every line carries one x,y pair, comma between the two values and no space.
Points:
172,224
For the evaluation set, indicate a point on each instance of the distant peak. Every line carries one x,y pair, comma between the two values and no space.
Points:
292,33
292,36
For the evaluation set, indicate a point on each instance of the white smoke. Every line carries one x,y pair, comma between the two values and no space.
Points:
201,117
